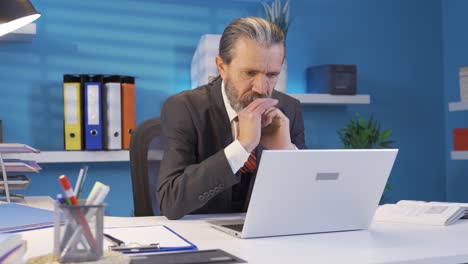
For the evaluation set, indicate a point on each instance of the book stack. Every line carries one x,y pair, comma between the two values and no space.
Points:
15,165
463,73
12,248
420,212
99,111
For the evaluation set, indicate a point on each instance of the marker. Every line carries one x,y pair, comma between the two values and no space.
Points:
68,190
94,193
60,198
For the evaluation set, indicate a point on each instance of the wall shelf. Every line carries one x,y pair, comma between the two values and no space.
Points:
83,156
23,34
332,99
460,155
458,106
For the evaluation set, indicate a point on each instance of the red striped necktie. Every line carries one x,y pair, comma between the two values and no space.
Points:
251,164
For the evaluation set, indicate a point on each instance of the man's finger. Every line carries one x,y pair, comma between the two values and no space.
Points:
260,101
268,116
265,105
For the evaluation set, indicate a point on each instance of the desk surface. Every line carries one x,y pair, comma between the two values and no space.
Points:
382,243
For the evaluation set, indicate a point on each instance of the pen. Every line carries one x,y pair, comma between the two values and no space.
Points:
118,242
83,224
139,249
80,181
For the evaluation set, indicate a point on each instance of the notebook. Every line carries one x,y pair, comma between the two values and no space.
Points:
18,218
313,191
9,245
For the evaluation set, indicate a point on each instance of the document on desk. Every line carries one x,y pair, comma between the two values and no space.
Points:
18,218
144,237
420,212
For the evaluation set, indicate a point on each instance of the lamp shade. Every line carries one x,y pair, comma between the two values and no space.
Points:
15,14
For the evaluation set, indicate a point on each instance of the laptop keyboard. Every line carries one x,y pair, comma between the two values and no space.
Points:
237,227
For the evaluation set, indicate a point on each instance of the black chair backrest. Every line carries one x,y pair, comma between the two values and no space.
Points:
146,149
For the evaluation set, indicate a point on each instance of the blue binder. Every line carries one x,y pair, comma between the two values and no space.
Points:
93,114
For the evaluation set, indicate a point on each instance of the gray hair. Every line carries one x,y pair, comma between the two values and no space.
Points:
254,28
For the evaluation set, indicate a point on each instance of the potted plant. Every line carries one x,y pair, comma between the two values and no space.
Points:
359,134
278,14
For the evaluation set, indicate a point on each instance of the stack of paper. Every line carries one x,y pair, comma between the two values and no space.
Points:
419,212
144,236
17,218
12,248
17,165
17,148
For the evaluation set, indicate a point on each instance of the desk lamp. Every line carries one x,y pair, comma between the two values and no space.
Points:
15,14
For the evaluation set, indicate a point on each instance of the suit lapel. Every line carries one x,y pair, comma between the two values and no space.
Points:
219,115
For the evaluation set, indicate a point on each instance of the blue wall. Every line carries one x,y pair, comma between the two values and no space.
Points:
455,38
397,45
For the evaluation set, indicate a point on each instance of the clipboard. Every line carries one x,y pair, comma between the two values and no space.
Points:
147,239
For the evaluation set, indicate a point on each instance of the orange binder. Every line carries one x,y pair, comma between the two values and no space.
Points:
128,109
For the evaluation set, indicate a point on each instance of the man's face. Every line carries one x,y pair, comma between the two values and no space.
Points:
252,73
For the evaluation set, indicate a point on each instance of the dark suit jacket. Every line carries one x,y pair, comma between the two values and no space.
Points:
195,176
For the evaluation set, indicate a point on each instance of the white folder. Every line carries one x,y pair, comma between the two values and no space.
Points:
112,116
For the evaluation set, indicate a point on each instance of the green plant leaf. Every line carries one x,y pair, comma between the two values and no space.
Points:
385,134
361,121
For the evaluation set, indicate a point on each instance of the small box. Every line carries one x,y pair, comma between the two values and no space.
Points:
460,138
78,232
336,79
463,75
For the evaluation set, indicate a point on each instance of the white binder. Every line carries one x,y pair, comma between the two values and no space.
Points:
112,114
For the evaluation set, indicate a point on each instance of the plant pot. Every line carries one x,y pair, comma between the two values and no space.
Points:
282,83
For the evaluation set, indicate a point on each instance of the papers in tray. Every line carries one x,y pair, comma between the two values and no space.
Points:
18,165
16,148
17,218
419,212
15,182
141,238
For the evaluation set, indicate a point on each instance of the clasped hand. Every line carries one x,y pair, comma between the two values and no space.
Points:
261,122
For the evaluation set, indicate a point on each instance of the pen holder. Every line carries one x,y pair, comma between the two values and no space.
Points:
78,232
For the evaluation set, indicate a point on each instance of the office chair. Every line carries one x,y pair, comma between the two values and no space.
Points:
146,148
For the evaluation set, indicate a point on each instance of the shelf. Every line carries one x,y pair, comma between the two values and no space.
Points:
23,34
460,155
458,106
332,99
82,156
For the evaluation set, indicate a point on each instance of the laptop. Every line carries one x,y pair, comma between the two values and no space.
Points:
313,191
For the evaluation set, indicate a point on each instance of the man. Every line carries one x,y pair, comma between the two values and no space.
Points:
215,133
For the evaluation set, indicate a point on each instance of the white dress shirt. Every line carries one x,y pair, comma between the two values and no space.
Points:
235,152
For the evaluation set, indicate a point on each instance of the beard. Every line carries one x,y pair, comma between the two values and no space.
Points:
240,103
